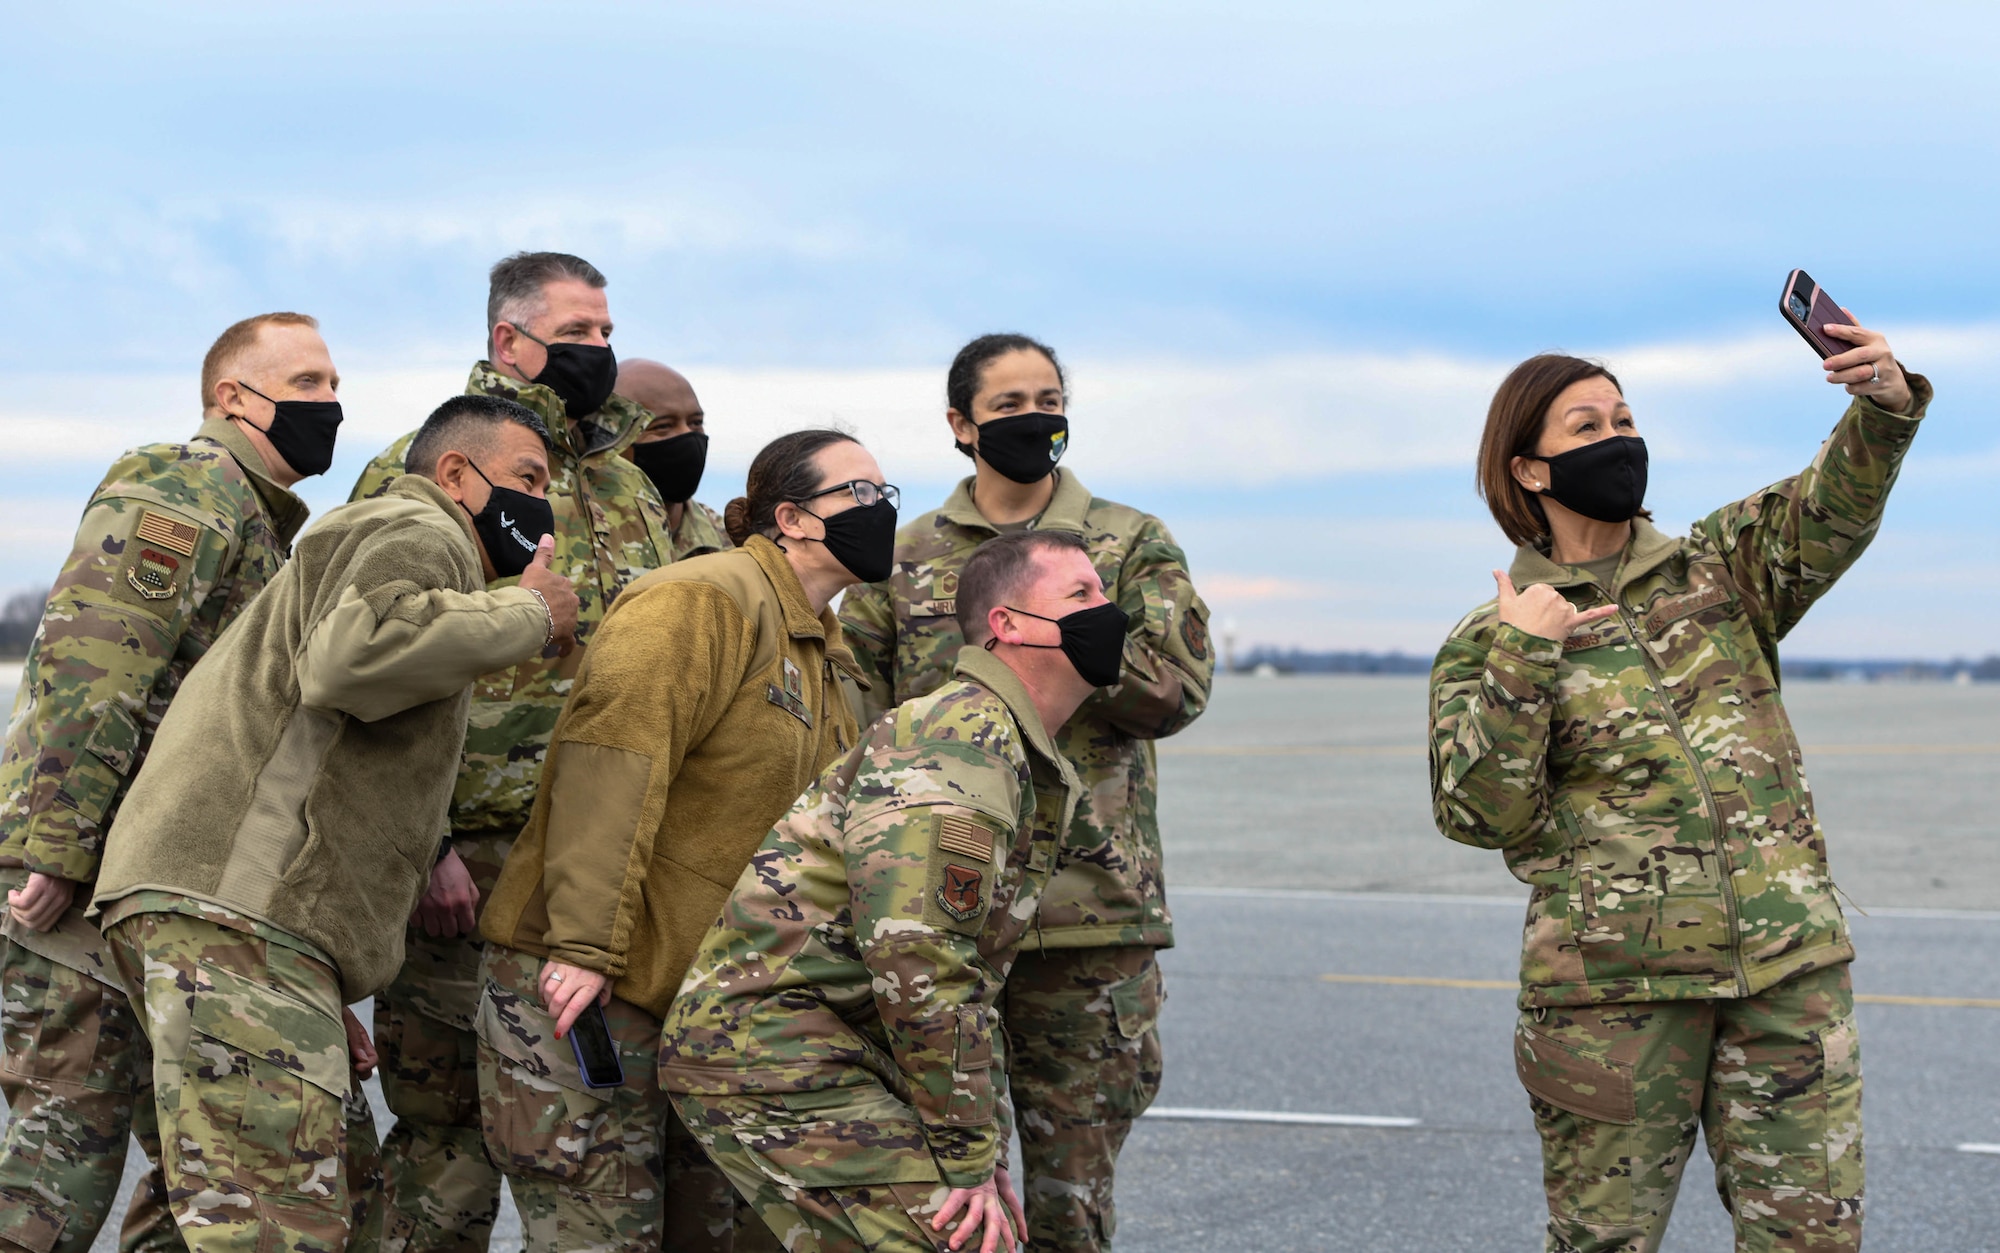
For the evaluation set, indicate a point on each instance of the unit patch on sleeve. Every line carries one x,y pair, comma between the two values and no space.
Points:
153,574
1194,633
958,893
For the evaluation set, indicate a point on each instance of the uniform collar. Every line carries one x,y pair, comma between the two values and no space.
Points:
288,513
1648,549
800,623
613,428
1065,511
991,673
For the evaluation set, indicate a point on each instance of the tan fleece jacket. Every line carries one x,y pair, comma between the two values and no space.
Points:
301,775
706,704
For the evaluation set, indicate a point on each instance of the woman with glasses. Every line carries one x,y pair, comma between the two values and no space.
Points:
707,703
1078,1074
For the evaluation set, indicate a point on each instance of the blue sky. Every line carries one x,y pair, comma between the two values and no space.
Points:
1287,250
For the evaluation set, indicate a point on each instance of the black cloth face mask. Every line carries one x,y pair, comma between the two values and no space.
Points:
510,526
1093,639
583,375
1604,480
1024,447
302,431
674,465
862,538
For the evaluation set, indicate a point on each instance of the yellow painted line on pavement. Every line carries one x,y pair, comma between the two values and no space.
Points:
1504,985
1400,750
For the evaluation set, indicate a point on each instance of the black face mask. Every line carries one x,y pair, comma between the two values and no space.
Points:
862,538
302,431
510,526
674,465
1093,639
581,374
1024,447
1605,480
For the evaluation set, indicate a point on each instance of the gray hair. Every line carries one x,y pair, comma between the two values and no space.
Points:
514,288
467,424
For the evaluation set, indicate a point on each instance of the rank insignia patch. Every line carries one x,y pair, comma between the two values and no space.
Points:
945,586
153,574
167,532
958,895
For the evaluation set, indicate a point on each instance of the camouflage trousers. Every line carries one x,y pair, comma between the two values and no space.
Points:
1083,1045
815,1202
603,1168
75,1097
441,1190
1773,1080
251,1078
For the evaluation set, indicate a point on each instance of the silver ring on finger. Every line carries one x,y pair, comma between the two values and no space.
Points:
1877,368
555,976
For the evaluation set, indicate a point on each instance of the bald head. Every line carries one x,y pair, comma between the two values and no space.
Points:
662,392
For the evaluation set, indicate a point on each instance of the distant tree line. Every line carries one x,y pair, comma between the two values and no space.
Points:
1302,661
19,616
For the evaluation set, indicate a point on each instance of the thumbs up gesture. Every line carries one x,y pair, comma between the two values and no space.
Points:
556,590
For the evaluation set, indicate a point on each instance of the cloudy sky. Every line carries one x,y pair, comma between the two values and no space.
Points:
1287,249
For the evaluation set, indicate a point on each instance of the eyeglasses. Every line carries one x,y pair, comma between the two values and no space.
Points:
865,492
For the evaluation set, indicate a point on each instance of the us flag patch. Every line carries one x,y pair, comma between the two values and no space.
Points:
169,533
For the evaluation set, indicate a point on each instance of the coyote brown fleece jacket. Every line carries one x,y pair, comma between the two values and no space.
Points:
706,704
302,775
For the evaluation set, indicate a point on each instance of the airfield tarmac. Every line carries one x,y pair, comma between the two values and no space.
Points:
1299,846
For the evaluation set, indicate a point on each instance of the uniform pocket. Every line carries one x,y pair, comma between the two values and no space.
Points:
971,1103
100,768
839,1138
51,1020
1840,1047
261,1089
538,1128
1597,1088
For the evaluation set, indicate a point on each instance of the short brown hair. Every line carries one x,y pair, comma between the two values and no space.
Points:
995,572
1514,423
237,340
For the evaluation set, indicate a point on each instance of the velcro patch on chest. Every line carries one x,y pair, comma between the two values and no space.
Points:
947,608
1679,607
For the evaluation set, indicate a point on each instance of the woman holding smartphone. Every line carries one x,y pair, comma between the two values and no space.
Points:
706,704
1611,722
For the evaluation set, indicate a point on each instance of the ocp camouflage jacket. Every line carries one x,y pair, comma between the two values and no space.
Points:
1110,888
174,543
1641,774
857,967
610,528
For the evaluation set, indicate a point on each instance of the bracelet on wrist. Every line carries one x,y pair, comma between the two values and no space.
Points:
550,636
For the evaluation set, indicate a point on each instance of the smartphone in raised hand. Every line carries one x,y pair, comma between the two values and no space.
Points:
596,1051
1807,309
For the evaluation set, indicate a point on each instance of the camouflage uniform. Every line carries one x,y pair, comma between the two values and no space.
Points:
1083,1003
250,1071
610,528
1642,777
700,531
174,543
835,1046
